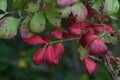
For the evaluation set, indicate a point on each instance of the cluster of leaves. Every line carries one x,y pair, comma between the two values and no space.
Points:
87,22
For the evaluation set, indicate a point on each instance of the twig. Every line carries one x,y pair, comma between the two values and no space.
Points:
64,40
110,68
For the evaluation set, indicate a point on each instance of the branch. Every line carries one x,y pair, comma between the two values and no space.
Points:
110,68
64,40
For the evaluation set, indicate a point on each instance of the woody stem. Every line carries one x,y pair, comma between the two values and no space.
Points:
110,68
64,40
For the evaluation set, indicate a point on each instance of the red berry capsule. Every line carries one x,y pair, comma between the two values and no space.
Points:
74,27
100,18
90,65
85,24
110,30
38,58
99,28
75,24
90,11
46,38
34,40
97,47
49,55
59,51
90,30
67,35
57,33
86,39
75,31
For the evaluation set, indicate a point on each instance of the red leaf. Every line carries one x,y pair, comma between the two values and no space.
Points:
57,33
64,3
59,51
49,55
90,65
34,40
97,47
38,58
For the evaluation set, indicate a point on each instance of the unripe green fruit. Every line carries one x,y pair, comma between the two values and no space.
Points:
8,27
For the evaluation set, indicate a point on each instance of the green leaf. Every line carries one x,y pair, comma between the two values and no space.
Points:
83,52
79,11
84,77
97,5
19,4
118,78
3,78
38,23
25,28
103,74
1,15
32,7
3,66
53,17
63,29
3,5
115,16
65,12
111,7
9,27
109,39
50,1
115,26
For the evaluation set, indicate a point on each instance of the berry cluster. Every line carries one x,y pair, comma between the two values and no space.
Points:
87,37
86,34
